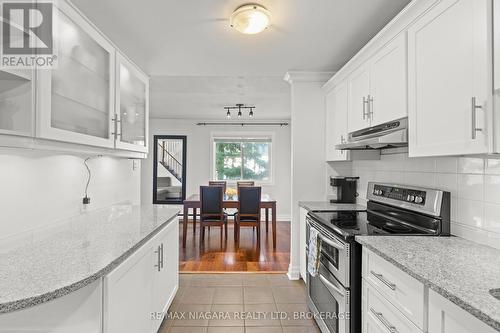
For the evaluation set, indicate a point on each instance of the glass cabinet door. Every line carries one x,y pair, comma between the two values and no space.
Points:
132,106
76,98
16,102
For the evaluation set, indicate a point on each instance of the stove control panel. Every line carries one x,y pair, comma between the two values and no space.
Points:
401,194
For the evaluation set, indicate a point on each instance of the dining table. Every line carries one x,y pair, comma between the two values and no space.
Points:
193,202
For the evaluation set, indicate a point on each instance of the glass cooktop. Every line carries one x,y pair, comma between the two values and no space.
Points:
349,224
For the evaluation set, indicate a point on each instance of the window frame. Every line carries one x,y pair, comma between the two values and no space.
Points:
245,136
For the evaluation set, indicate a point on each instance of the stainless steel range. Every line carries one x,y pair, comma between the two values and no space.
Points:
335,293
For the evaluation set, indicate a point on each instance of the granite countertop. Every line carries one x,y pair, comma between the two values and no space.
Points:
60,259
460,270
328,206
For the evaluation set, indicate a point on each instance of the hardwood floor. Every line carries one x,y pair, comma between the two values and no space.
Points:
223,256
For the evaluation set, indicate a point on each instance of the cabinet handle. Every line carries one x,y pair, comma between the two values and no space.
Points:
365,114
384,321
158,264
116,121
383,280
474,108
370,107
161,251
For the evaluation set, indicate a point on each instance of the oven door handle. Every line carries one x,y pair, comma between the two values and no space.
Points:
331,286
331,242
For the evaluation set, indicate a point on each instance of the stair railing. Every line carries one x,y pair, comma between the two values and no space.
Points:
169,161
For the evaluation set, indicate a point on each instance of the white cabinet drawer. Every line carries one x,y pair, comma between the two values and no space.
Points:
403,291
381,316
446,317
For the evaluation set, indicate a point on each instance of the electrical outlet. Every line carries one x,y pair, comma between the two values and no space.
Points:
86,201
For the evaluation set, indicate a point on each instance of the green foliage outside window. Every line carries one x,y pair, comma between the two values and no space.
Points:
242,160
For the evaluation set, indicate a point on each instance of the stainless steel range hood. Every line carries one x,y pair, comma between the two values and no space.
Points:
388,135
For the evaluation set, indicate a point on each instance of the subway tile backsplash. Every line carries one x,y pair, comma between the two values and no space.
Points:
474,183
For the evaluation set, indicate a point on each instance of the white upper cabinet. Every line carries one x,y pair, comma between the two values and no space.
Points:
336,122
496,35
132,106
17,98
448,79
76,99
389,83
359,91
378,88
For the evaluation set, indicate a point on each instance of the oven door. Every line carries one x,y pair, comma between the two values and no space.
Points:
329,301
335,254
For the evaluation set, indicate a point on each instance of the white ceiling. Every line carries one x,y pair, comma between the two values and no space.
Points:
204,98
193,37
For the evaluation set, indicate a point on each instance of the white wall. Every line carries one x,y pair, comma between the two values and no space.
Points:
308,157
40,188
198,158
474,183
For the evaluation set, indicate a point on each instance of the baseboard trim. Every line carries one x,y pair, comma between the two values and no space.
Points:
293,273
282,218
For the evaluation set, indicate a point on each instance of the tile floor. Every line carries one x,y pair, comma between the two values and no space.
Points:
246,303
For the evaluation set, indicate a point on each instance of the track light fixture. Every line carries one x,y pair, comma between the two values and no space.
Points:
239,107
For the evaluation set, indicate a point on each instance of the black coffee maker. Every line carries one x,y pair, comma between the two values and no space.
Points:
345,189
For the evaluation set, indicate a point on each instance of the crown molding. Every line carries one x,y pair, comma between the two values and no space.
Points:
295,77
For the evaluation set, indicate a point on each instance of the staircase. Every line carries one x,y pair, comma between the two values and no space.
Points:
167,151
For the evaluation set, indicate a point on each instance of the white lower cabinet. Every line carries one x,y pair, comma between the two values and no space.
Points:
446,317
77,312
379,315
166,278
382,312
303,242
128,294
137,292
400,289
132,298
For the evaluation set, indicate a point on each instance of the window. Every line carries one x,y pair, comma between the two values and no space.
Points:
237,158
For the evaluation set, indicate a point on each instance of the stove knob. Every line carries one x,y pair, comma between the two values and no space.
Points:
418,199
408,198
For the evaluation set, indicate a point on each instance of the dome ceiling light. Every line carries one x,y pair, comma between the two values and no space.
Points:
250,19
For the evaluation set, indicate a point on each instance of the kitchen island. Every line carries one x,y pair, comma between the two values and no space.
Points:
79,262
